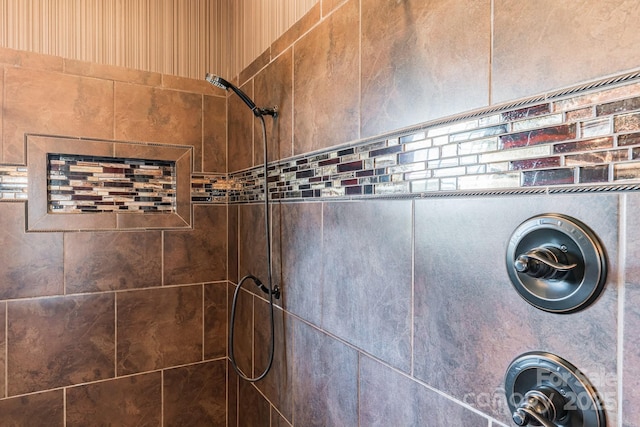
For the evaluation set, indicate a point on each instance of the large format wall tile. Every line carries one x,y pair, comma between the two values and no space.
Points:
253,408
277,385
112,261
366,269
195,395
388,398
215,320
3,344
159,328
326,82
240,123
243,330
41,409
1,114
51,103
60,341
469,321
132,401
543,45
145,113
252,246
214,138
33,265
325,380
274,87
631,361
407,78
198,255
298,229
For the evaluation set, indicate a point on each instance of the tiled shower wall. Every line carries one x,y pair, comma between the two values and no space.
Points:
394,312
400,312
110,327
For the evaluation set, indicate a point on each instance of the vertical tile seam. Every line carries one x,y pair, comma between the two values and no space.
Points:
203,322
6,349
413,287
622,254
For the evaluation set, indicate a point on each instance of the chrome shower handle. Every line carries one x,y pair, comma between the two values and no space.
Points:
522,416
543,262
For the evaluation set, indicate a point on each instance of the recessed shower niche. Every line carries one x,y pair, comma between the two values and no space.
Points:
77,184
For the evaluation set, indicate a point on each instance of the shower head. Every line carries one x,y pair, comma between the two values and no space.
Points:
221,83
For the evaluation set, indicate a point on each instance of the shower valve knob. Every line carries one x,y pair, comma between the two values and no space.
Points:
543,262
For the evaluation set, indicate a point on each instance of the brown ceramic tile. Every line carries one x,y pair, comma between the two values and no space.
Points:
277,420
31,264
42,409
103,261
198,255
52,103
111,72
232,234
299,229
473,306
533,43
150,114
60,341
326,86
196,395
1,113
256,65
253,409
243,330
325,381
22,58
631,339
311,18
159,328
199,85
215,320
131,401
214,142
405,77
240,131
388,398
366,270
232,393
328,6
252,250
274,87
277,385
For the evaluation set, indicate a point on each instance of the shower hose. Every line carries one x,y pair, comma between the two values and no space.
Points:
273,292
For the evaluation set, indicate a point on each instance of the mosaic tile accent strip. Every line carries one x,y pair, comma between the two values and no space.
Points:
78,183
212,188
13,183
583,139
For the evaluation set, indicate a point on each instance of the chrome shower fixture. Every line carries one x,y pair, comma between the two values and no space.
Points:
221,83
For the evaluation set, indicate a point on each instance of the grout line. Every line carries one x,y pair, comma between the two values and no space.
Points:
413,288
6,349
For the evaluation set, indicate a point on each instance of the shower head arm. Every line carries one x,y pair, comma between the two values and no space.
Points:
223,84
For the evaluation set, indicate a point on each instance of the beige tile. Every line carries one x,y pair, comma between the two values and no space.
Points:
256,65
422,61
544,45
52,103
198,86
326,82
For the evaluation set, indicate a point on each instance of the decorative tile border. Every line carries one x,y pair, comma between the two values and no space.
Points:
586,138
580,139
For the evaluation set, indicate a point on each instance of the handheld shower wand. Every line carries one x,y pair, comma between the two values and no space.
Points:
269,289
221,83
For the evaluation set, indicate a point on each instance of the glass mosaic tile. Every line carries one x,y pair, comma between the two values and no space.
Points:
562,176
497,180
629,139
546,162
583,113
629,104
539,136
593,174
597,157
525,112
597,127
627,122
536,122
586,145
516,154
478,146
626,171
